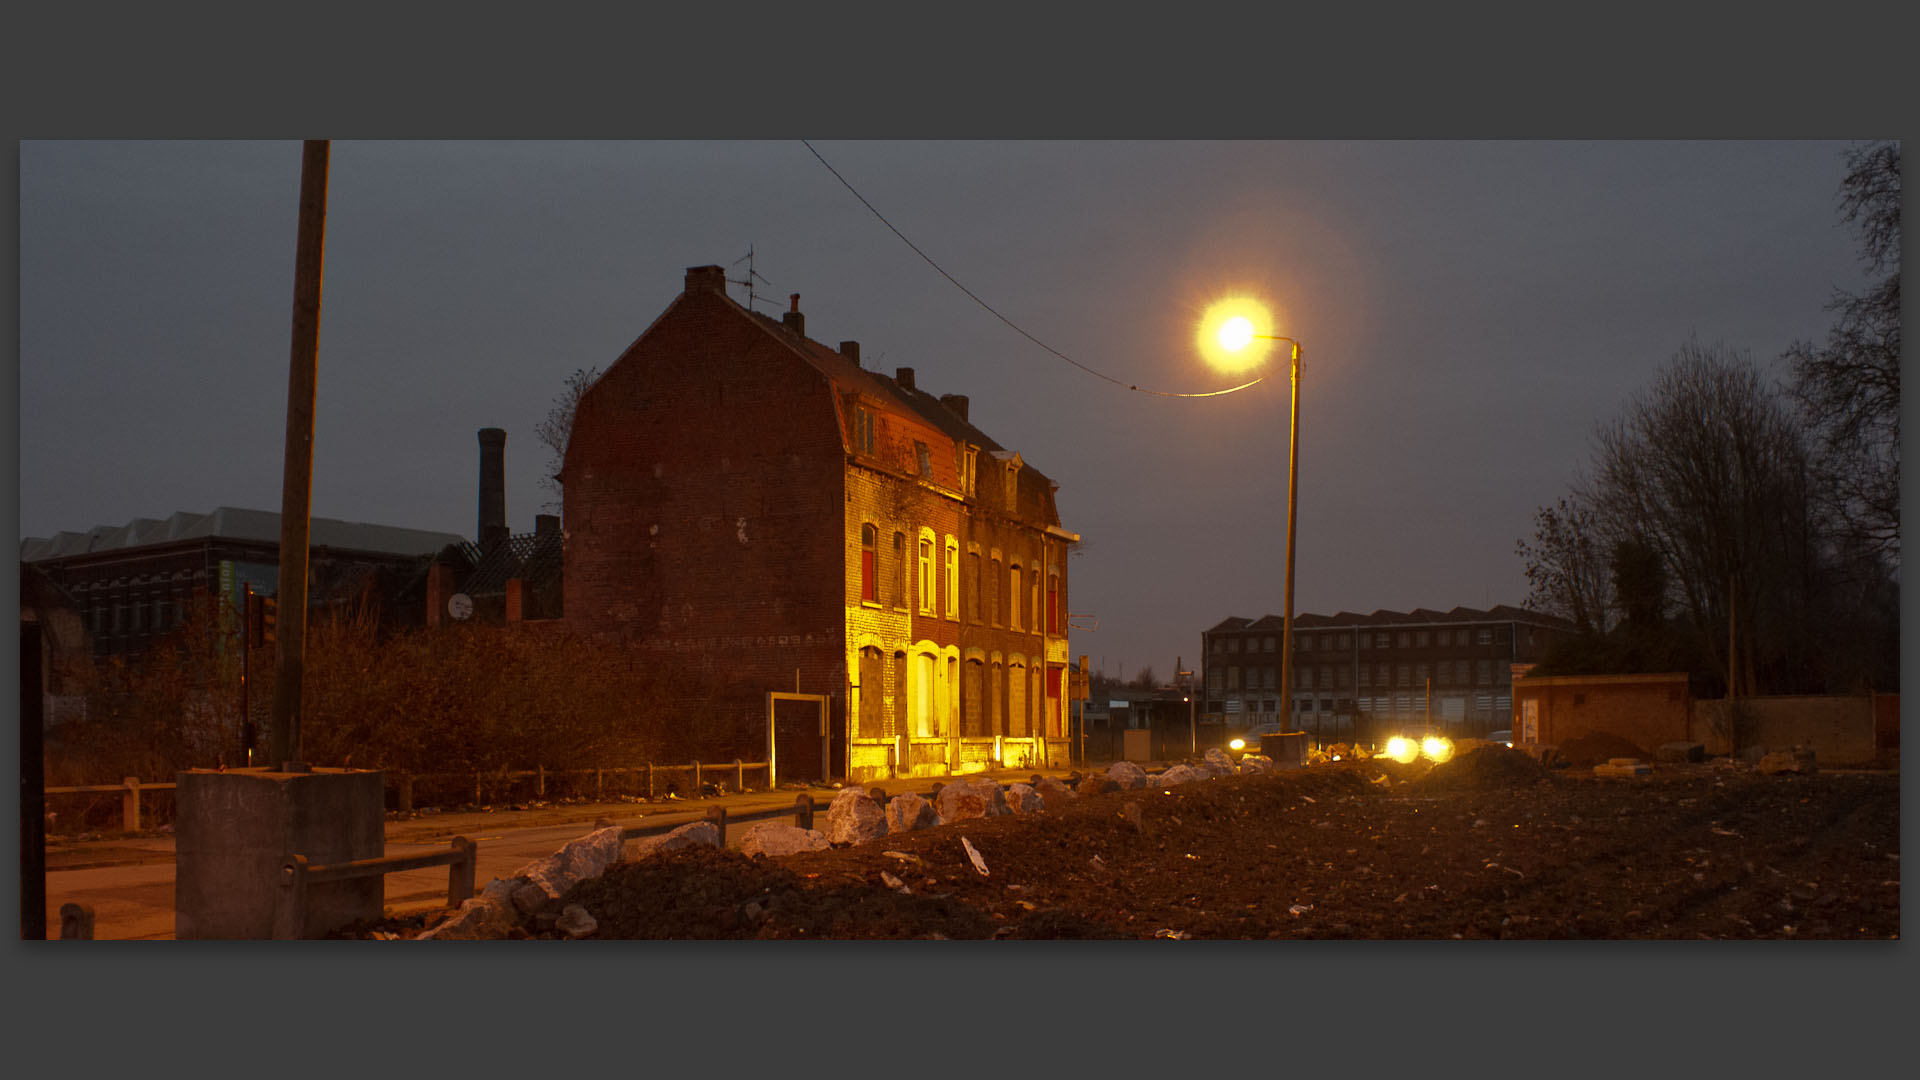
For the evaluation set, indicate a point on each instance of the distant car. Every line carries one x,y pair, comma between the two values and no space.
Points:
1505,738
1248,741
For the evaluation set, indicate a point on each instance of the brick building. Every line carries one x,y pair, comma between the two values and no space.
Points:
135,583
757,507
1353,673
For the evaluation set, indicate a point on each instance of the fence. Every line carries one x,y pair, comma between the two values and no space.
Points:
129,789
651,779
296,874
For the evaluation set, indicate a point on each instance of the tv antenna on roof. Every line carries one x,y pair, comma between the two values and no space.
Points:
752,276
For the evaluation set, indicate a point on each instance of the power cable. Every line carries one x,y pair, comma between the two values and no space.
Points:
990,310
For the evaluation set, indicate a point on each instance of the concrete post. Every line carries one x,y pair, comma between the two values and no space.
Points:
460,874
718,815
76,922
739,776
803,810
130,806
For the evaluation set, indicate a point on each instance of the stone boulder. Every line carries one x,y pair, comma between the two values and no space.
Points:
1127,775
692,834
1255,763
907,812
1178,774
854,818
1054,793
580,860
776,838
965,799
1219,762
575,922
1022,799
1095,784
490,916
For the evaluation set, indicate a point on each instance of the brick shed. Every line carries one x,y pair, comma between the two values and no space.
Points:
1646,710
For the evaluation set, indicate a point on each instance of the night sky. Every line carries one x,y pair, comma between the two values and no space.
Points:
1469,312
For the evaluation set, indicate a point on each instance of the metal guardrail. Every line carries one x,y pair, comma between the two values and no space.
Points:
129,788
297,874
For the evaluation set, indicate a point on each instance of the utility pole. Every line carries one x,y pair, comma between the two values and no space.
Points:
296,487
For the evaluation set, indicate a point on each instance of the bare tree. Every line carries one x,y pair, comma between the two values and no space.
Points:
555,431
1849,390
1566,565
1709,469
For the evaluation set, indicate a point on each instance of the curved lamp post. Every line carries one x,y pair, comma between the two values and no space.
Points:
1235,334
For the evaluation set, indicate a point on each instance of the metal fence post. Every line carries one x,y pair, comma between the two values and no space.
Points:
130,805
460,871
803,810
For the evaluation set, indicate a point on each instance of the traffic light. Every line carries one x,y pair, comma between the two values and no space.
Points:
261,611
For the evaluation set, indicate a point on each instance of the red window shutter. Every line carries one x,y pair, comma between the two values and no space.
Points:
868,588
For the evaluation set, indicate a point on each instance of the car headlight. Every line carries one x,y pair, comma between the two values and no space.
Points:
1237,744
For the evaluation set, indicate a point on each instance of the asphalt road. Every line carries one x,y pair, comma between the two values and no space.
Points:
128,881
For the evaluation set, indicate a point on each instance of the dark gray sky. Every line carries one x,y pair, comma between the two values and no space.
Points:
1469,311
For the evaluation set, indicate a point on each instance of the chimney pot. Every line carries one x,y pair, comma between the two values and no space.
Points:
904,376
794,302
850,350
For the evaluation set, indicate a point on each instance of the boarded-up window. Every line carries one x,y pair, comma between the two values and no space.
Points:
873,681
1017,700
972,696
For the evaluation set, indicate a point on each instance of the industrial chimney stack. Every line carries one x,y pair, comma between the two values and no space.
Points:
493,488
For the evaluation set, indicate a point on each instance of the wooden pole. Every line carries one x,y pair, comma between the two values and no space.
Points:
296,488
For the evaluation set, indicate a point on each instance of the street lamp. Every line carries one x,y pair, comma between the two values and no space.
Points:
1237,331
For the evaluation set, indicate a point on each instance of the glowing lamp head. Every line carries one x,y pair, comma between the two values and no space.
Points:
1437,748
1237,744
1236,333
1402,750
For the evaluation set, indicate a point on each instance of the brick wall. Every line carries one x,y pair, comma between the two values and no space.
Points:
703,490
1839,729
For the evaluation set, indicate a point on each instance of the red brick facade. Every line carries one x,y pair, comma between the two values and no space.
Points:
756,506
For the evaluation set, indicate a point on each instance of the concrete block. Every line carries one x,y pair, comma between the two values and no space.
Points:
233,829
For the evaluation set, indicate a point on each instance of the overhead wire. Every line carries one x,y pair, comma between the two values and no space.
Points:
996,314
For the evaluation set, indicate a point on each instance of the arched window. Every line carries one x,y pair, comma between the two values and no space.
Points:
1017,699
873,689
953,578
1016,599
1053,603
869,583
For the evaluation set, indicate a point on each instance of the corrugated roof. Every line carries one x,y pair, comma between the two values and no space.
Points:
234,523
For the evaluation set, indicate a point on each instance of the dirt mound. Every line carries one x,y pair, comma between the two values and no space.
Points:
1484,768
1595,748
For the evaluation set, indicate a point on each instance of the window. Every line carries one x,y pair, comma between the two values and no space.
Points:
1383,675
1017,714
862,431
1214,684
978,614
1421,639
1483,636
1460,672
967,459
1403,675
899,569
1483,673
1406,640
1012,487
1306,679
873,681
1420,675
1381,640
927,582
1053,604
1233,644
997,598
924,458
1233,678
953,578
1326,676
1216,645
1018,599
1267,644
923,695
869,585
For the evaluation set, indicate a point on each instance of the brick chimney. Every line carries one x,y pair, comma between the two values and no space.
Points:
493,487
546,524
955,403
904,376
706,279
793,320
851,350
